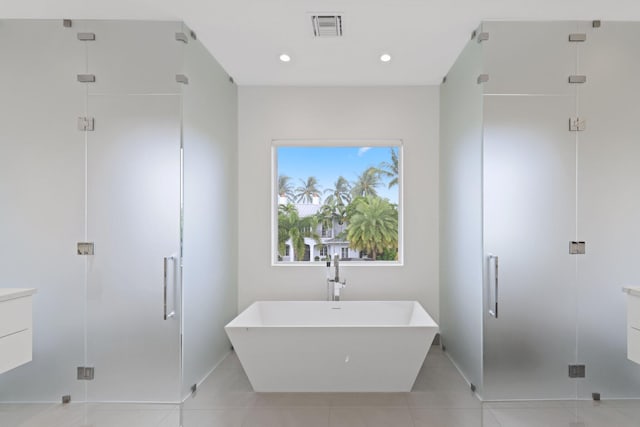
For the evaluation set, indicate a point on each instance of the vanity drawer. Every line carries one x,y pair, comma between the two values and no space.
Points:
633,345
15,350
633,311
15,315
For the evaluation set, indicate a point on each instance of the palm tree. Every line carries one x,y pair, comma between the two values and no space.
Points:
291,226
326,215
287,220
285,187
373,226
331,211
367,183
308,190
390,170
341,192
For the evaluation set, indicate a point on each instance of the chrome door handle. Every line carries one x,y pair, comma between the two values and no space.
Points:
165,262
493,311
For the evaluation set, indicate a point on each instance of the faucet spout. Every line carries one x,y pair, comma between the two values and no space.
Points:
334,285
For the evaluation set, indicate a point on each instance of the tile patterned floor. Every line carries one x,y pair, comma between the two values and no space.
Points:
440,398
89,415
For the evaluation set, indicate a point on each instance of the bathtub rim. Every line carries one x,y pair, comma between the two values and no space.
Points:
428,323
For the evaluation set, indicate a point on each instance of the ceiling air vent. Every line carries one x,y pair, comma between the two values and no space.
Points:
327,25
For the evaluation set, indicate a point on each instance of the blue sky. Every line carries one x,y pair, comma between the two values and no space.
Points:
327,163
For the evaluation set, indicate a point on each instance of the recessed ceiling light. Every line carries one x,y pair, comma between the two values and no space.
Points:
285,58
385,57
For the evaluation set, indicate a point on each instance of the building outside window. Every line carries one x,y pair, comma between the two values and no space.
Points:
324,250
338,199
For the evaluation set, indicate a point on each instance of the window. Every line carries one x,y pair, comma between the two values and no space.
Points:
337,198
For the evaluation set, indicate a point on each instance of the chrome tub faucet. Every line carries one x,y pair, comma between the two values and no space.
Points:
334,285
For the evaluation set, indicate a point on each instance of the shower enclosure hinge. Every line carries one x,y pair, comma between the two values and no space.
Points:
67,23
578,37
86,123
181,78
85,248
85,373
482,37
577,248
577,124
86,78
87,37
577,79
576,371
483,78
182,37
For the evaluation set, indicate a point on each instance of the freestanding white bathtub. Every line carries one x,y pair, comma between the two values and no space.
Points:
324,346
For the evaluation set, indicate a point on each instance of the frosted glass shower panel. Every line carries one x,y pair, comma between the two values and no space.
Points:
461,214
134,220
134,56
529,220
42,198
529,57
608,207
210,220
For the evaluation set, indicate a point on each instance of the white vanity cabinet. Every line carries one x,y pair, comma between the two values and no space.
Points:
633,322
16,327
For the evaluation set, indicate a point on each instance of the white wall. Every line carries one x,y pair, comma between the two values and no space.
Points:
406,113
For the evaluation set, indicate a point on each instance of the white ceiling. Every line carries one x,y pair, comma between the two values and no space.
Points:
424,37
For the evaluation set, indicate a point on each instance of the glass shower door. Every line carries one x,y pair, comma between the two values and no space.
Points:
529,221
133,217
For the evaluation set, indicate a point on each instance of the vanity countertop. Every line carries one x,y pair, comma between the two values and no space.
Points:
11,293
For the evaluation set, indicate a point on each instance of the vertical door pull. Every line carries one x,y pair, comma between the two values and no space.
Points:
493,280
164,282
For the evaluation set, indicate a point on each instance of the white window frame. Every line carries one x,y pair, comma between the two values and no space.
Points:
275,143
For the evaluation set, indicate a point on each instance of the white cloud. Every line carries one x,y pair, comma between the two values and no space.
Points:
363,150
